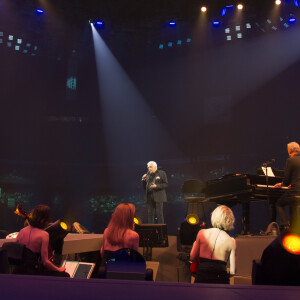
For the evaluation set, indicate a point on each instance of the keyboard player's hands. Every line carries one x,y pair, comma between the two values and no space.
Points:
278,185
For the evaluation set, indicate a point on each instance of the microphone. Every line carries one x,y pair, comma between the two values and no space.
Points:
268,162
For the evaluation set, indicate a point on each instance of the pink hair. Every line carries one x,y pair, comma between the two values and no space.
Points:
121,220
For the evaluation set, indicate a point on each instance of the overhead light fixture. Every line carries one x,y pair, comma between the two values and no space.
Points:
277,2
39,11
203,9
240,6
292,20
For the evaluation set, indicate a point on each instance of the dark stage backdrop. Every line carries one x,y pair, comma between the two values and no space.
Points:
78,127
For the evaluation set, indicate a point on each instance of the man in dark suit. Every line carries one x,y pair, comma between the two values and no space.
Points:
292,180
155,183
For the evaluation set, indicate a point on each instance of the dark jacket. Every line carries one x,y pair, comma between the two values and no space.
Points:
160,179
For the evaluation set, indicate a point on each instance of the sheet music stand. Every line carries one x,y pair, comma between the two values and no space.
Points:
152,235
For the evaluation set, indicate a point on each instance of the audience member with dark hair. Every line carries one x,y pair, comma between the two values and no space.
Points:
120,231
214,247
37,240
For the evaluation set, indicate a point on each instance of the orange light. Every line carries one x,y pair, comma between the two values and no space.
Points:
240,6
203,9
277,2
291,243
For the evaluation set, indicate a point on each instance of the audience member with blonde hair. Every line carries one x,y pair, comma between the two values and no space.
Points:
214,247
120,231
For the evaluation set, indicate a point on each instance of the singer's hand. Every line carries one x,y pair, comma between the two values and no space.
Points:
144,177
153,186
278,185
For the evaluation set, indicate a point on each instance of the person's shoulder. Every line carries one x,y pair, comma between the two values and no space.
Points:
43,233
131,234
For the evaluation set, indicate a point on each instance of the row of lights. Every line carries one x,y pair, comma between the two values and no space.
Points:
203,9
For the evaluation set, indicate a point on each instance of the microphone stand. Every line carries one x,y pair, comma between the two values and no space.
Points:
265,165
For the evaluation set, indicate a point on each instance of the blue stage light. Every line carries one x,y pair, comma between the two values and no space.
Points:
216,23
296,3
172,23
292,20
223,12
39,11
99,24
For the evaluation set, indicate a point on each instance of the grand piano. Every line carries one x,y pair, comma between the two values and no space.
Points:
244,188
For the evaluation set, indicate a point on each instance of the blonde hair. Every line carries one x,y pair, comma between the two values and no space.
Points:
121,220
222,217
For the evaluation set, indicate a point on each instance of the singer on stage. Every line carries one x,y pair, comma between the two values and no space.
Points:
155,182
292,180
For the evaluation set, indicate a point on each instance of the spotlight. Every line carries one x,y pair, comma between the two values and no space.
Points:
57,232
39,11
277,2
216,23
172,23
292,20
99,23
137,220
296,3
240,6
291,243
203,9
223,12
76,227
192,219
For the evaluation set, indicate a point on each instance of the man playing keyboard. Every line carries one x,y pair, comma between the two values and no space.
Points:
292,180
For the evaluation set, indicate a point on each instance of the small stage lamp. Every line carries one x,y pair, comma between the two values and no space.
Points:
203,9
240,6
192,219
278,2
291,243
137,220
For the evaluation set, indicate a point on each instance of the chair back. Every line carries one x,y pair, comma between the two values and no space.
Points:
126,264
21,259
4,265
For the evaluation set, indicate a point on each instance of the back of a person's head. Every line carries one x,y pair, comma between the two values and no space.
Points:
121,220
40,216
222,217
293,147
